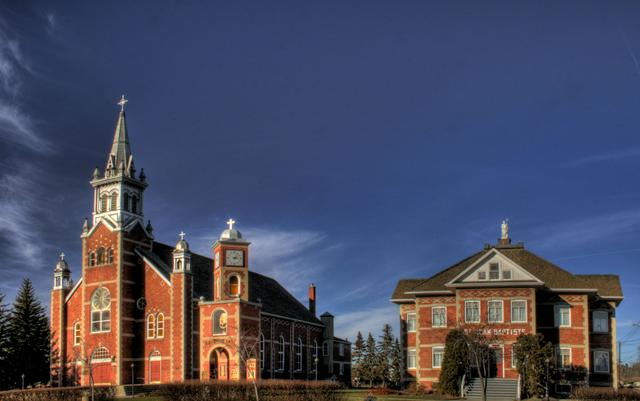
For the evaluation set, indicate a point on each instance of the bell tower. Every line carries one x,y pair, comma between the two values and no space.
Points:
118,193
61,286
231,265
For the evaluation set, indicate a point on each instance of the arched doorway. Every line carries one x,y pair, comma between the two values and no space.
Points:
155,367
219,364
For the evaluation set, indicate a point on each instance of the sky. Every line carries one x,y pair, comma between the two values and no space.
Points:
354,142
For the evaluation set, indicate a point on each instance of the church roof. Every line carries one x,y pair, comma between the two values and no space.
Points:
553,276
275,299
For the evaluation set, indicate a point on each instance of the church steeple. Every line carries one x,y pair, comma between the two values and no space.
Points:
120,159
118,192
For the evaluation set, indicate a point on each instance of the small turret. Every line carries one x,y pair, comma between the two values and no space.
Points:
96,173
61,274
182,256
85,226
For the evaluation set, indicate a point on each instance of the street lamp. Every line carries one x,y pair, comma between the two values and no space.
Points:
23,381
547,382
315,361
132,377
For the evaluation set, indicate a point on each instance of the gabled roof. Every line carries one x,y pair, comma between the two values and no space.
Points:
553,276
275,299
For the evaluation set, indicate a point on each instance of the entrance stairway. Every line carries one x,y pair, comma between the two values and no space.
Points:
497,389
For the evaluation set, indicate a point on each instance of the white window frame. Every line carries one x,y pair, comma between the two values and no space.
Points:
281,351
411,317
495,301
482,273
433,356
77,333
341,349
559,363
160,325
151,326
526,305
514,360
412,356
472,301
325,348
504,272
605,318
595,359
261,351
558,316
489,271
298,367
433,309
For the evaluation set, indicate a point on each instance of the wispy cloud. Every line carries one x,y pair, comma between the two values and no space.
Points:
588,230
367,320
604,157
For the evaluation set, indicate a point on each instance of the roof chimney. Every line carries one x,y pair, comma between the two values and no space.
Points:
312,299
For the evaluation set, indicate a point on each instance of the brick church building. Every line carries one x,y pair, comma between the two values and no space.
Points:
148,312
507,290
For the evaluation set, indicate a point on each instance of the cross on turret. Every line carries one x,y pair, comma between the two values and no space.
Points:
230,223
122,102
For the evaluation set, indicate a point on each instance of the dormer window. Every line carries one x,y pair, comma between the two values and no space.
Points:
482,275
494,271
506,275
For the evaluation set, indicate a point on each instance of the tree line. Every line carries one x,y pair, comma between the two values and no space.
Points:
24,340
377,363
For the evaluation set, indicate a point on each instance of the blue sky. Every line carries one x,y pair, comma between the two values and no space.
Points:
355,143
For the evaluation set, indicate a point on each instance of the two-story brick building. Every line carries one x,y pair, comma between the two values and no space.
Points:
146,312
508,290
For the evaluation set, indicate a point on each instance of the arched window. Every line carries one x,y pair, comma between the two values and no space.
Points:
125,201
100,310
298,352
104,203
110,255
114,201
134,204
234,286
281,353
100,354
76,334
100,256
325,348
179,265
315,355
151,326
261,351
160,326
92,258
219,322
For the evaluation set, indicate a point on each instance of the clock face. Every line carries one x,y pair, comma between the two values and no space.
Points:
234,257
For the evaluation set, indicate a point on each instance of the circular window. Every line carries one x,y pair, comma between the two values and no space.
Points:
101,299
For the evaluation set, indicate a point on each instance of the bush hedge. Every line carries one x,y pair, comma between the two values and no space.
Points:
244,391
101,393
604,394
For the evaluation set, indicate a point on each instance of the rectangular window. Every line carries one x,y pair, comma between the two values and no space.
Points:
472,311
411,322
411,359
601,361
600,321
482,275
518,311
506,275
438,353
563,356
495,311
439,316
563,316
494,271
341,369
341,349
514,360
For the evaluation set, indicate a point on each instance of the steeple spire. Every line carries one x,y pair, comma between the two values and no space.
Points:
120,160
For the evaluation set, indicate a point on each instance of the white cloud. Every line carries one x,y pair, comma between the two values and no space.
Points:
604,157
369,320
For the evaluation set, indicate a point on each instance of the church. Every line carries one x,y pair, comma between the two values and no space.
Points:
506,290
148,312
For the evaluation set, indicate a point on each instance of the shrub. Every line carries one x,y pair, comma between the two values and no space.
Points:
57,394
604,394
454,364
244,391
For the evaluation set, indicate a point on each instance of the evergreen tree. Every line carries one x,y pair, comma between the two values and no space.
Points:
396,366
370,361
385,354
29,345
356,357
454,363
4,343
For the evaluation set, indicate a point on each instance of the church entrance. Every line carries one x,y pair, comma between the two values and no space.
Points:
219,365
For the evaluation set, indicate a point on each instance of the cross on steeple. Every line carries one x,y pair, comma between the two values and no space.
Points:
122,102
231,222
62,256
182,234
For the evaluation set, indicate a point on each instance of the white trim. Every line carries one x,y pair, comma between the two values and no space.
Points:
75,287
557,320
433,308
429,292
559,349
593,320
433,353
154,267
526,310
573,289
287,318
595,364
415,322
501,310
415,359
476,301
484,259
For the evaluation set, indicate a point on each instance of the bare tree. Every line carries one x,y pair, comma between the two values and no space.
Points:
248,351
480,342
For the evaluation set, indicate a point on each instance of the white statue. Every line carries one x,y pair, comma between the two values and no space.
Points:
505,229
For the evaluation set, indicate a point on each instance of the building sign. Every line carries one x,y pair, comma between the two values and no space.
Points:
235,374
497,332
251,369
